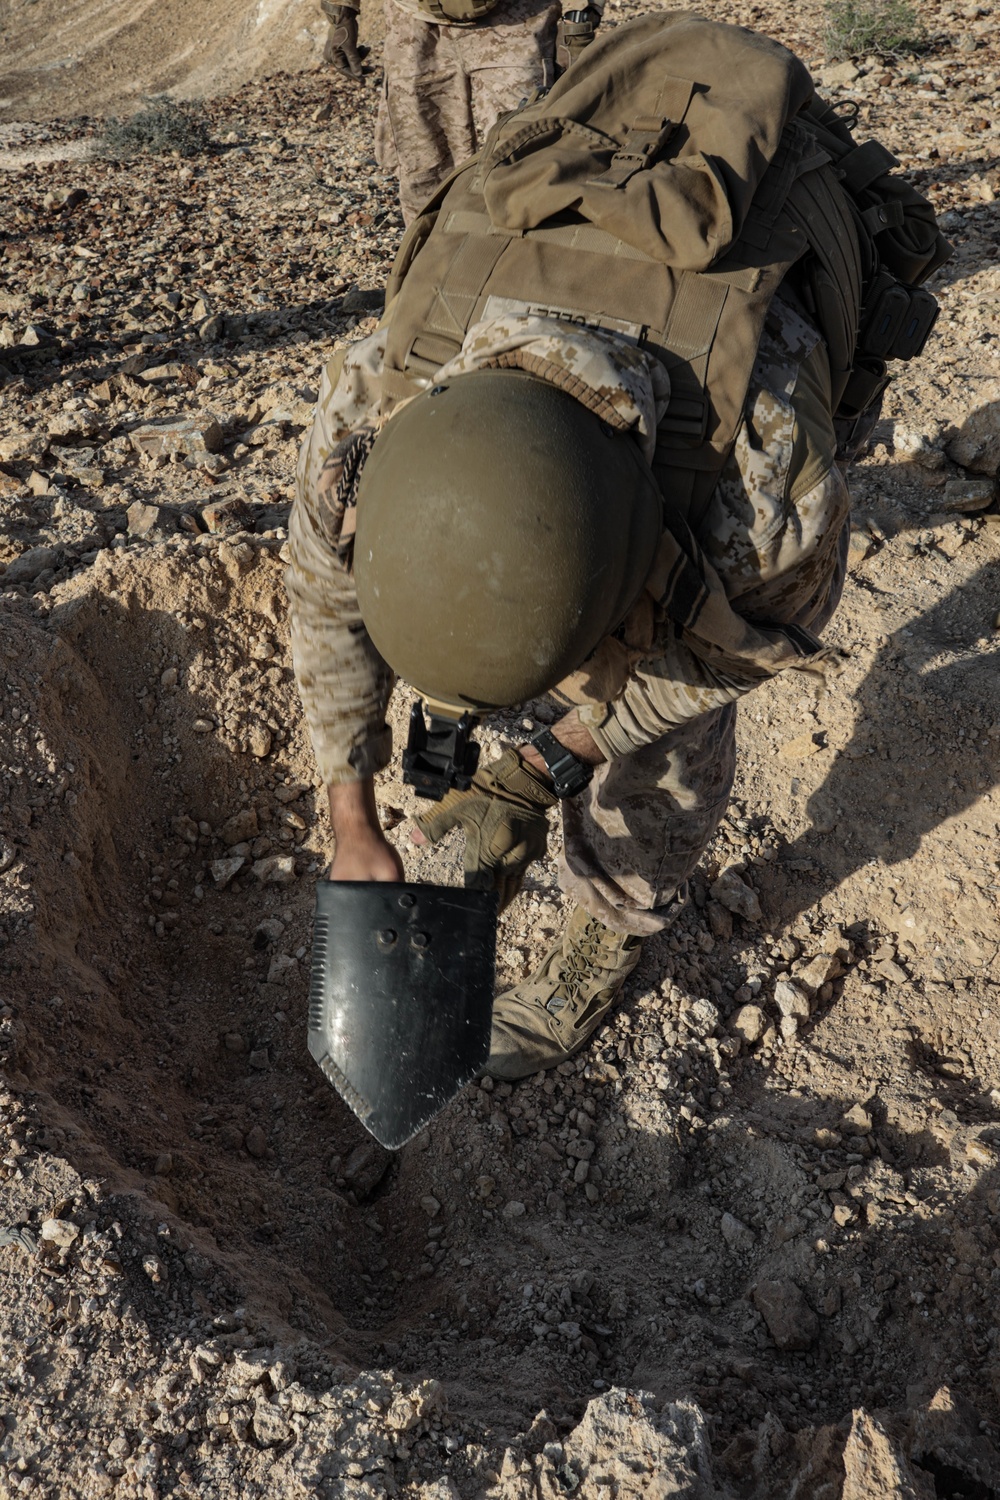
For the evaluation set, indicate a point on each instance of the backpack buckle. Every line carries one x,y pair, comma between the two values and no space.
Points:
644,139
647,135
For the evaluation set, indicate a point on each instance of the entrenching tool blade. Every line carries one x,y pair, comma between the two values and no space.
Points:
401,1001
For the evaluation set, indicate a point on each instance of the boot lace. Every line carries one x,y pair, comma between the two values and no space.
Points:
587,954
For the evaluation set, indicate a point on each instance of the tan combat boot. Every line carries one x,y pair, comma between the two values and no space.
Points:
546,1018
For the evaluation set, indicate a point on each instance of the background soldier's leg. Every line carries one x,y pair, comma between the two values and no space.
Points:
633,839
507,56
425,119
385,143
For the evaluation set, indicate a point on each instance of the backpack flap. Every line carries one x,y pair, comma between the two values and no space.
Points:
660,135
539,170
912,247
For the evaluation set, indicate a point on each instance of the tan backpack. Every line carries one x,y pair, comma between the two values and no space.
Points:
662,189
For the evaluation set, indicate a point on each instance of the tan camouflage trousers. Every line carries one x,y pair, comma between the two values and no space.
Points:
445,86
632,840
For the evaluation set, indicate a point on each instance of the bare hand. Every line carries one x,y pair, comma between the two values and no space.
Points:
371,858
363,851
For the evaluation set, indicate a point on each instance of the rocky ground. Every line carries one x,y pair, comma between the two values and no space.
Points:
747,1244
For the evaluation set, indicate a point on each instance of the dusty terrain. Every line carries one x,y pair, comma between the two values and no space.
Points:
747,1244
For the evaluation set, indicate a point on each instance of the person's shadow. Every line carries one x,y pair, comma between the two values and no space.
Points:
930,728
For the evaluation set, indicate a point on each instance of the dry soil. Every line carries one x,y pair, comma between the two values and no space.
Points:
747,1245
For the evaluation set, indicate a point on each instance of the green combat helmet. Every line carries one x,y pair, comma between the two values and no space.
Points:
503,531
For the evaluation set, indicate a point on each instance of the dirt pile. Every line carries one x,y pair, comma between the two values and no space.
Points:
747,1244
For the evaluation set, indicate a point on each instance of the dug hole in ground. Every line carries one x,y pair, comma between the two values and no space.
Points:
747,1244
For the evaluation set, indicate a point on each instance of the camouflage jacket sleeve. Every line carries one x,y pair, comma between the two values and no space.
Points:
343,682
770,549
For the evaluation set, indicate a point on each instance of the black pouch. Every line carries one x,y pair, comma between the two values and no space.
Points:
915,330
860,408
896,320
883,317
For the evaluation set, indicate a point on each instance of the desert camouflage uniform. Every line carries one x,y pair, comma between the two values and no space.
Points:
444,86
768,557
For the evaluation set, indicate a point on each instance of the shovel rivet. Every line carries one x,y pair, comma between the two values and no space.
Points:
386,938
407,899
420,939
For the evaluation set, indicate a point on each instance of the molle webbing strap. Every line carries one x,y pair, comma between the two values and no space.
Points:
457,293
441,332
580,236
688,338
883,216
471,221
649,133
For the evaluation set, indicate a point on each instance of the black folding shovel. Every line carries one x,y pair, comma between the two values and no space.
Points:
401,1000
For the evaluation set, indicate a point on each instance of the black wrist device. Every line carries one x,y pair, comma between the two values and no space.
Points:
569,775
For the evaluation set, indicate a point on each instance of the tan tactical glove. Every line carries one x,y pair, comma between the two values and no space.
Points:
503,815
342,48
574,32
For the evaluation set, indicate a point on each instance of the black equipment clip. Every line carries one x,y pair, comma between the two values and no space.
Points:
441,756
569,775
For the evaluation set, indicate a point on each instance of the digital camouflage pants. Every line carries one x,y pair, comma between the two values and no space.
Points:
445,86
631,841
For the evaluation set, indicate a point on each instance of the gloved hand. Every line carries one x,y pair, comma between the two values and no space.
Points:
503,815
342,48
575,31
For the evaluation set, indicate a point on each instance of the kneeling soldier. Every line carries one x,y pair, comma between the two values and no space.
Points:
592,450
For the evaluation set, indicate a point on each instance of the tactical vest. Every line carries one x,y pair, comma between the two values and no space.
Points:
663,189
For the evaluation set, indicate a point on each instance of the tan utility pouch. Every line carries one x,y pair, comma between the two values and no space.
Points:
457,12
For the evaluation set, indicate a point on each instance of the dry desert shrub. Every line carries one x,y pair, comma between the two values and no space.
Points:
163,125
863,28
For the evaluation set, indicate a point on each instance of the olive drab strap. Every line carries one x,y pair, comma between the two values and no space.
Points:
860,167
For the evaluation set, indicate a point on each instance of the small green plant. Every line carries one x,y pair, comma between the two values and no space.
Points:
864,28
161,126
